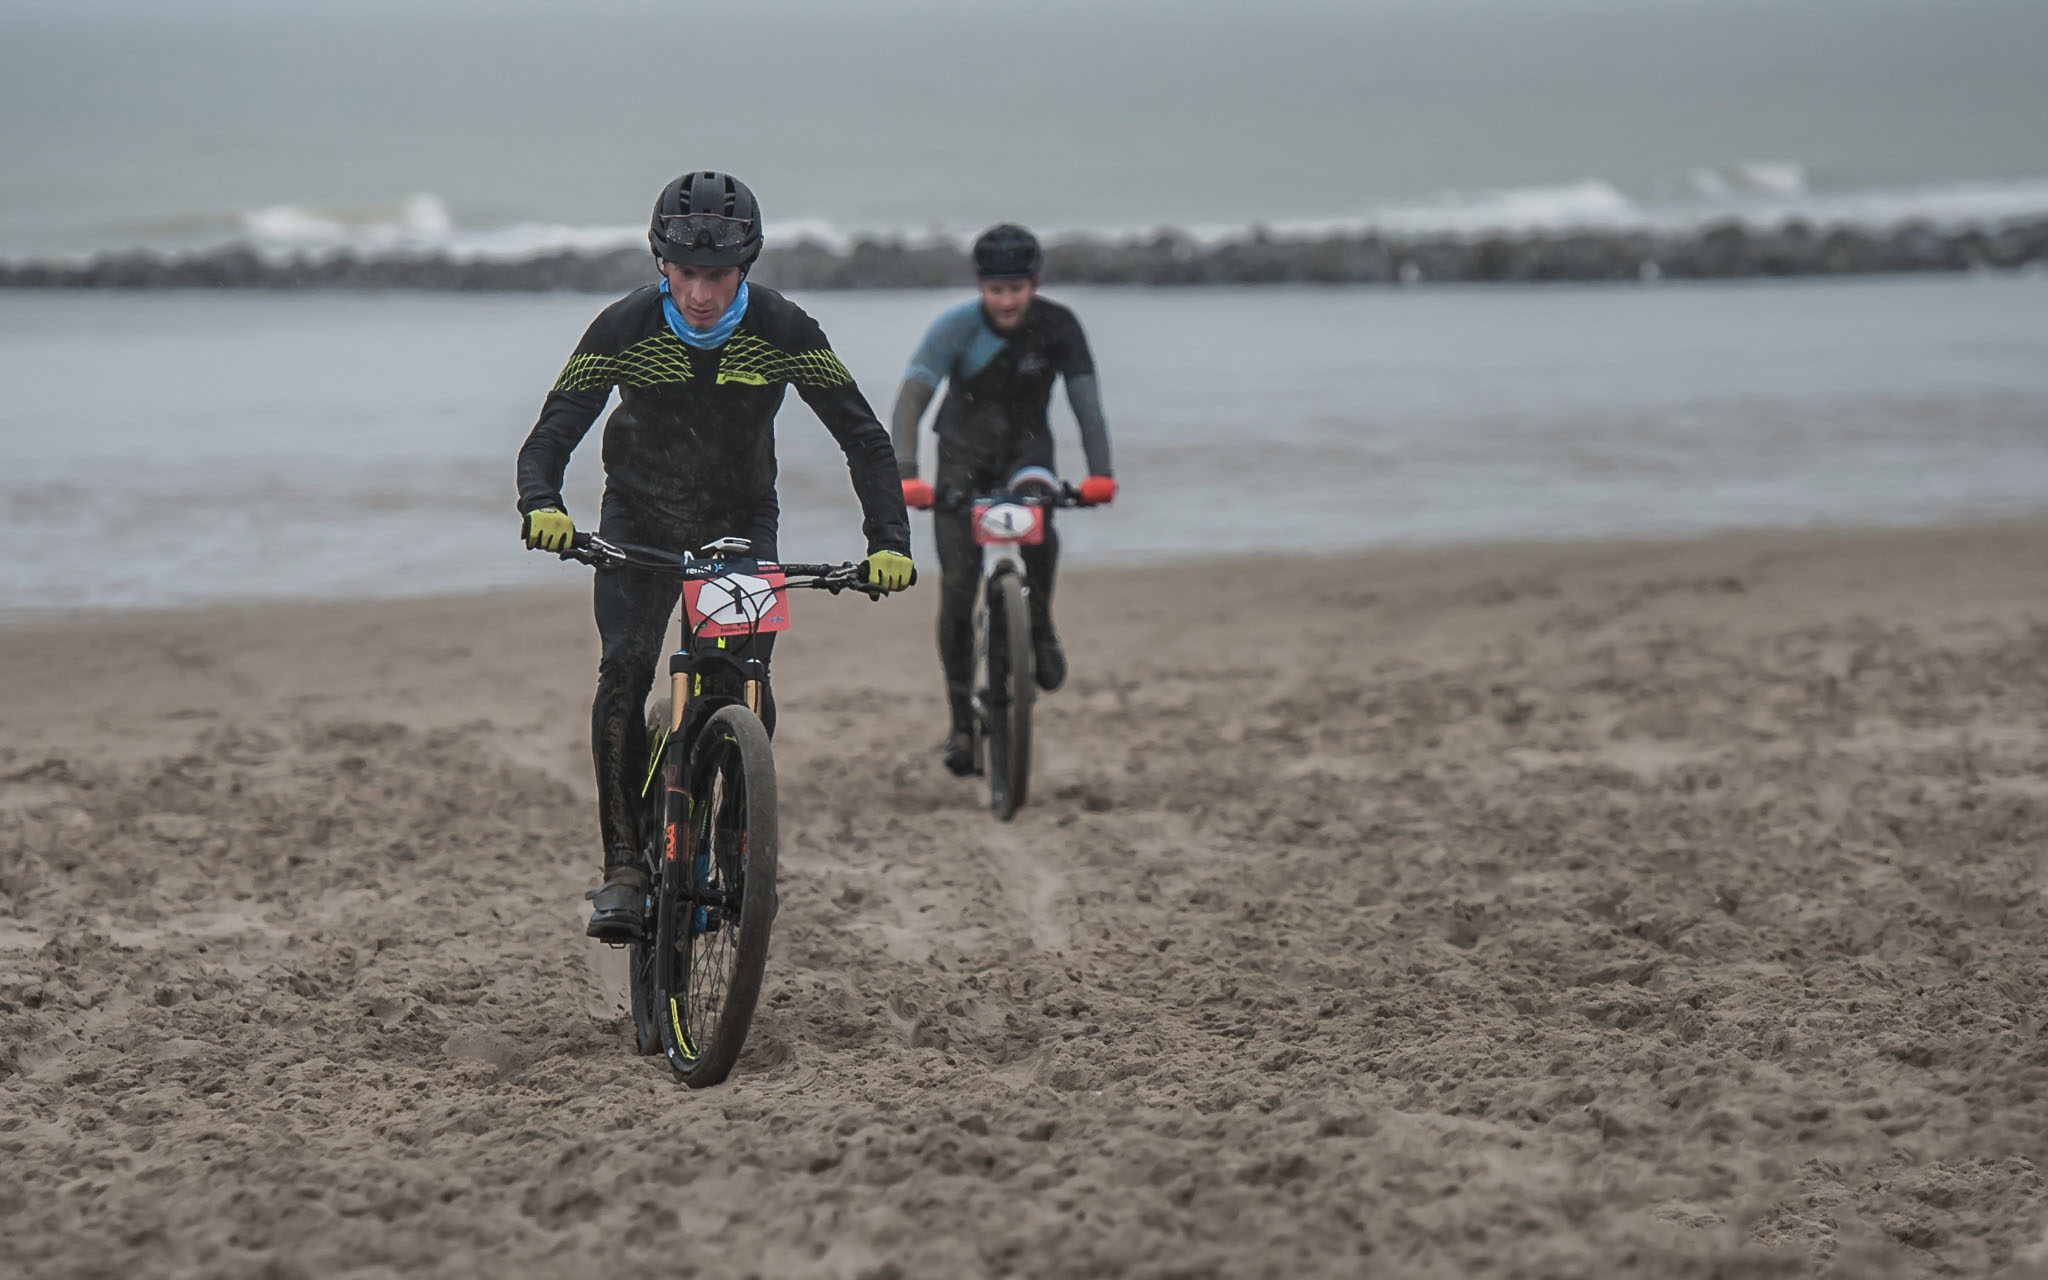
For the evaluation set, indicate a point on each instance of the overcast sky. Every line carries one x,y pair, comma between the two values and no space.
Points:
1077,112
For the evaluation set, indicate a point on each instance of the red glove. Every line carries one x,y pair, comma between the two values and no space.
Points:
917,493
1098,491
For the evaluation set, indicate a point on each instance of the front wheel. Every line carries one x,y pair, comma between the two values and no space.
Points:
718,897
643,957
1011,689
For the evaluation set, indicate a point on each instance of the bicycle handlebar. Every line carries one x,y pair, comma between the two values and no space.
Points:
951,499
588,548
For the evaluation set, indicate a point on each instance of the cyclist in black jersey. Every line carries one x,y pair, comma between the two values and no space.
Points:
998,356
701,361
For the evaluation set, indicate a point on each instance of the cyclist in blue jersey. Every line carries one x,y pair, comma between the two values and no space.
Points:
998,356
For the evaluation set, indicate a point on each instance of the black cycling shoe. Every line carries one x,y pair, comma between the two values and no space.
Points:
620,914
1049,659
959,757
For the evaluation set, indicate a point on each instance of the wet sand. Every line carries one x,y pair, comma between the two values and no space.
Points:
1607,909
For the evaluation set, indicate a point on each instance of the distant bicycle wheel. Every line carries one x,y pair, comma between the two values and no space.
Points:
718,899
1011,688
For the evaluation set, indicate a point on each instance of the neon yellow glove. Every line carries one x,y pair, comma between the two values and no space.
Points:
547,529
889,570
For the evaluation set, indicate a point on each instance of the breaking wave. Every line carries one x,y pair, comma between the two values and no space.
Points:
1682,228
1758,194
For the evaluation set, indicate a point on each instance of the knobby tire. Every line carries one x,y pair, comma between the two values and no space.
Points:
1011,689
641,956
718,899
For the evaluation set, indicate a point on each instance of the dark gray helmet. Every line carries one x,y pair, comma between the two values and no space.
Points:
706,219
1007,252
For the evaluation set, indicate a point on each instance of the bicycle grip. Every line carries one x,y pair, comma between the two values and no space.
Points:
861,576
875,594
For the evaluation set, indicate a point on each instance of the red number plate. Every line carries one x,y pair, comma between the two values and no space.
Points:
1008,522
737,604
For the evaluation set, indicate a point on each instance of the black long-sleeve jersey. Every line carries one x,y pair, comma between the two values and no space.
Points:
693,439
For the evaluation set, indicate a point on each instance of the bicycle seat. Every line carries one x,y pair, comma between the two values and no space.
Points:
726,548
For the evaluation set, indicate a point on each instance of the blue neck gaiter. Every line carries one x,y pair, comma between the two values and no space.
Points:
703,339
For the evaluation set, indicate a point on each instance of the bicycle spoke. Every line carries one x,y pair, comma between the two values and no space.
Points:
715,918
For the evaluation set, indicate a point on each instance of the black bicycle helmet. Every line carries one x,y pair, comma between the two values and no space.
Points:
706,219
1007,252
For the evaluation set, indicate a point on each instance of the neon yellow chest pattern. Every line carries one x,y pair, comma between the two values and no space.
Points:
661,360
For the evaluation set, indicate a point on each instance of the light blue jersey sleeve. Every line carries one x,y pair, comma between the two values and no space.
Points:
958,345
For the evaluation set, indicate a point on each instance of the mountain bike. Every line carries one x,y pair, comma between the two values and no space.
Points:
1004,523
708,837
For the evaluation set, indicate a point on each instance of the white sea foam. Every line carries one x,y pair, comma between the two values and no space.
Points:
1525,209
1758,194
1957,205
415,220
1754,195
1781,178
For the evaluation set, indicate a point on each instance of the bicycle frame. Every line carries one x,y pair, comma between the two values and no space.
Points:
1002,552
1003,524
712,748
690,662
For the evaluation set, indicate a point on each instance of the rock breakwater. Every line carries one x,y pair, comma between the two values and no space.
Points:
1723,250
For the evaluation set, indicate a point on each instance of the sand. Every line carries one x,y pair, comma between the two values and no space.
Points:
1609,909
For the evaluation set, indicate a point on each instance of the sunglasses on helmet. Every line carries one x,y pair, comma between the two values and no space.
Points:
706,231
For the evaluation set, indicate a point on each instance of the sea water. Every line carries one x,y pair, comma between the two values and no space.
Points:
170,448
